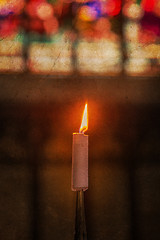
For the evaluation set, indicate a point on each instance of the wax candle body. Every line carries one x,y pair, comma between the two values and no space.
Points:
80,162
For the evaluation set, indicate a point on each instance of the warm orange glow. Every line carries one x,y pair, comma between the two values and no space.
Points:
84,124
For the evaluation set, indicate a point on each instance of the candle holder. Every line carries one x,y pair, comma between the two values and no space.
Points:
80,222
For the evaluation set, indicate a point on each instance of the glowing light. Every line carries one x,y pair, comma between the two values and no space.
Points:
133,10
9,64
100,57
113,7
87,13
45,11
84,124
11,7
48,58
152,51
148,5
136,66
132,30
3,2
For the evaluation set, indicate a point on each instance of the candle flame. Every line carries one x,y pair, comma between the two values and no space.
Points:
84,123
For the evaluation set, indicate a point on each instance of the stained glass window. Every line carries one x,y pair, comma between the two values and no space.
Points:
142,36
91,37
11,36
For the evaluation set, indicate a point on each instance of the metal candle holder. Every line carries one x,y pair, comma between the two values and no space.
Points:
80,223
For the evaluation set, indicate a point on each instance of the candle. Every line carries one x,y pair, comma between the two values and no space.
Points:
80,156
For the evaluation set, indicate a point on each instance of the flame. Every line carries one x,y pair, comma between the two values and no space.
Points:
84,124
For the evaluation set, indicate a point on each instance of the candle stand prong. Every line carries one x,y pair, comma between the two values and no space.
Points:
80,223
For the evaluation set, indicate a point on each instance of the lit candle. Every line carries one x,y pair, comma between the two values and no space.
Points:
80,156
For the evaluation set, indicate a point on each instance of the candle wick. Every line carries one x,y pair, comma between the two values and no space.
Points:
81,131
